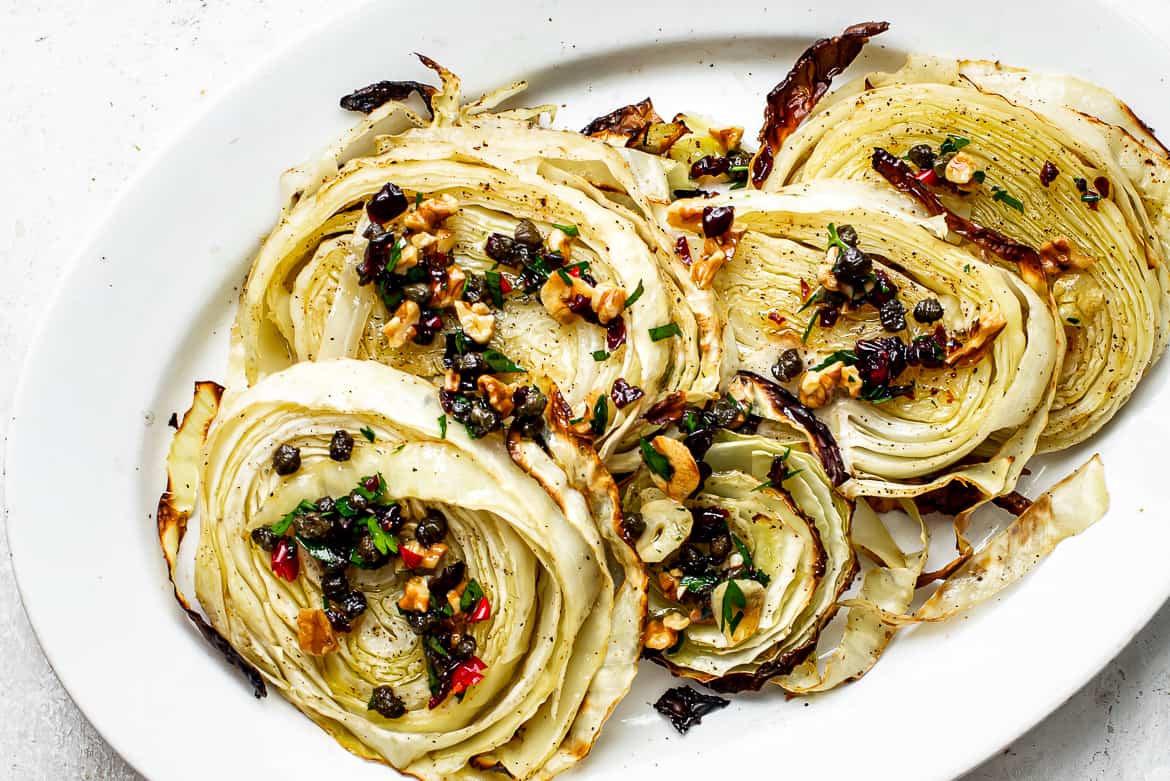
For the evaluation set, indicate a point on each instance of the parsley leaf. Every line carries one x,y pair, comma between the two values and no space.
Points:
734,603
436,646
385,543
600,355
698,583
738,185
952,144
848,357
367,432
494,288
470,596
1003,196
638,291
655,461
442,426
568,230
812,321
500,362
600,417
658,333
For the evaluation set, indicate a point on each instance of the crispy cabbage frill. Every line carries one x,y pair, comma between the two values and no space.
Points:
434,602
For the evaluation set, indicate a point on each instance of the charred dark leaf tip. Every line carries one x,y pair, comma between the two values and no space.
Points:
797,95
627,121
372,96
686,707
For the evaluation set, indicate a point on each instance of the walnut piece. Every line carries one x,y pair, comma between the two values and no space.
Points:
960,168
431,212
499,395
476,319
315,633
676,621
1060,254
416,595
685,477
816,387
658,637
688,216
728,137
559,241
446,295
556,294
400,328
978,340
716,252
608,302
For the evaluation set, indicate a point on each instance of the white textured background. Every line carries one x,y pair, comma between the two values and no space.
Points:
88,90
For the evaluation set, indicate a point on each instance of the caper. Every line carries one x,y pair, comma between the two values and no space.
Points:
386,703
788,365
527,233
337,619
265,537
721,547
312,526
847,234
431,529
725,412
691,560
474,289
353,604
357,501
286,459
419,292
335,585
465,648
326,504
928,310
940,165
922,156
528,402
482,419
421,623
367,551
633,525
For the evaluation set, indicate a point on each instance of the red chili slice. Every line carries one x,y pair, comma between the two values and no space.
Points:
284,559
409,557
482,611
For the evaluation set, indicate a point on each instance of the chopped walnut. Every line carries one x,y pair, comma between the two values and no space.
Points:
559,241
728,137
676,621
816,387
825,273
584,426
960,169
1060,254
476,319
978,340
446,295
408,258
432,555
431,212
685,477
556,295
315,633
682,214
608,302
669,585
658,637
499,395
451,380
400,328
416,595
716,252
454,599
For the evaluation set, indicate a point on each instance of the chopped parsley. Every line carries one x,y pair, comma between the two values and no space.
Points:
952,144
698,583
367,432
600,355
734,603
568,230
658,333
738,185
442,426
434,644
498,362
385,543
470,596
600,417
495,288
847,357
812,321
634,296
655,461
979,177
1003,196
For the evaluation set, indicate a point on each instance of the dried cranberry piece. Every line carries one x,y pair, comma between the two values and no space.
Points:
880,361
683,249
285,562
707,523
1048,173
624,394
375,258
883,289
710,166
428,327
828,316
387,203
615,334
717,220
